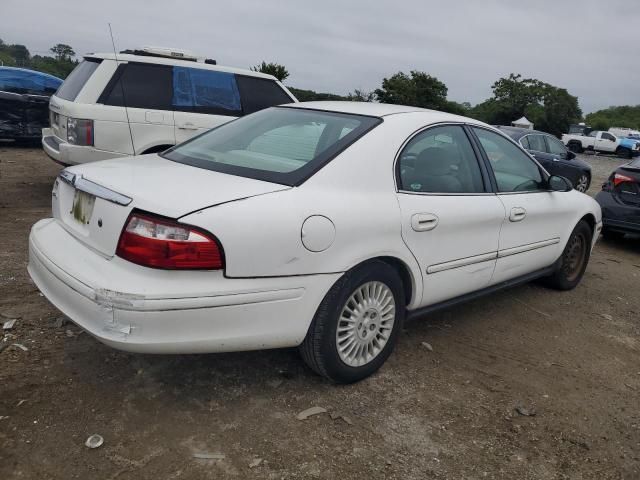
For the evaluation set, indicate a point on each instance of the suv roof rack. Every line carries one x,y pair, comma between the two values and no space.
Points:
163,52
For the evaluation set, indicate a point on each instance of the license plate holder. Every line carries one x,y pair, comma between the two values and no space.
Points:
82,208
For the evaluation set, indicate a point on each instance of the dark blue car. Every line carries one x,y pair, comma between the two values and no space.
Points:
552,155
24,102
620,201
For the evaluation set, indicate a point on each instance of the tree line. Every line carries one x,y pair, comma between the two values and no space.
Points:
59,64
550,108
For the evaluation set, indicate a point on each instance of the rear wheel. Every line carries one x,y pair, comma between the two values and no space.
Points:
583,182
355,327
575,147
574,259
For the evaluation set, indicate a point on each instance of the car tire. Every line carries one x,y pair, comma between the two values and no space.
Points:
583,183
573,262
359,304
575,147
613,235
624,152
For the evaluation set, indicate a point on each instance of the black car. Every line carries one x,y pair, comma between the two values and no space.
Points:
620,201
552,155
24,103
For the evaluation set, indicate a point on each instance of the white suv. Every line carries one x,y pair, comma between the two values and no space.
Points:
147,101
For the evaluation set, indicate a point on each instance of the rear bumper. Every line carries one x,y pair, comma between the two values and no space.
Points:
139,309
68,154
617,215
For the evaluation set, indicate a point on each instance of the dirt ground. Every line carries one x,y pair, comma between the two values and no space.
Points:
569,360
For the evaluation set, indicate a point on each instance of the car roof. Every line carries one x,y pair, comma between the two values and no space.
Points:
127,57
519,132
30,71
381,110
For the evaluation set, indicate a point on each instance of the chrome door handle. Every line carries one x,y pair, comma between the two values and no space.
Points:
423,222
517,214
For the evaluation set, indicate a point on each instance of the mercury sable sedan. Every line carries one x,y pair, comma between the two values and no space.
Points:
319,225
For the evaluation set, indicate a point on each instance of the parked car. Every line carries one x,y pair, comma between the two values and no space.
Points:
24,102
624,132
600,141
318,225
553,155
620,201
148,101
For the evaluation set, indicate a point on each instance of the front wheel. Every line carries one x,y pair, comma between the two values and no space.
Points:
355,327
574,259
624,152
582,184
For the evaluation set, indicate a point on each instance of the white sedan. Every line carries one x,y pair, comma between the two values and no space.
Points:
320,225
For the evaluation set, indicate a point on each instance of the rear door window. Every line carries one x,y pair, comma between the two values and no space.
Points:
205,91
71,87
440,160
140,85
259,93
536,143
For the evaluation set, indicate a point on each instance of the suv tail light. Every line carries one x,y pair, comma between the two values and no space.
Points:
157,242
80,132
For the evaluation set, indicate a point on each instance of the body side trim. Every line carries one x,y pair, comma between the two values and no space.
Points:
411,315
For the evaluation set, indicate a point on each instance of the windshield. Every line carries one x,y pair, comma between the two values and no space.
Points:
280,145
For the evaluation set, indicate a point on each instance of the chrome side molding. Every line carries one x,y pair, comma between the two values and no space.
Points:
87,186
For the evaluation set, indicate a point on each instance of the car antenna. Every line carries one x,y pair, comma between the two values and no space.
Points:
124,101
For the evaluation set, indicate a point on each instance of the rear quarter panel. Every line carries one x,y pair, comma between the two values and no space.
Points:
261,236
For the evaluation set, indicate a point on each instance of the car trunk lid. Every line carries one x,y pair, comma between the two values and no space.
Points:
93,201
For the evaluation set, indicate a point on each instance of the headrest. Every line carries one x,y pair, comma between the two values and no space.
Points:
436,161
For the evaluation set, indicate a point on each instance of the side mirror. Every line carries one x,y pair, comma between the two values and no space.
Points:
570,155
556,183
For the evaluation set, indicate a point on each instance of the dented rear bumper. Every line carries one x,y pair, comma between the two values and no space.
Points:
140,309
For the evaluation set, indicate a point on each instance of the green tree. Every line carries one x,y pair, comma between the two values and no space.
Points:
19,53
550,108
622,116
417,89
62,52
275,69
361,96
311,96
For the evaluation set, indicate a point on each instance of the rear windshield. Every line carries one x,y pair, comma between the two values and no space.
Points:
75,81
281,145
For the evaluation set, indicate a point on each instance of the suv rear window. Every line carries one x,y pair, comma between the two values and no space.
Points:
205,91
77,78
280,145
259,93
140,85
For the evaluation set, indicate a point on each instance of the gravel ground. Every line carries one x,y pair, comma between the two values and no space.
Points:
527,383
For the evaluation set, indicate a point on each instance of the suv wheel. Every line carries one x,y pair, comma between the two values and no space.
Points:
356,325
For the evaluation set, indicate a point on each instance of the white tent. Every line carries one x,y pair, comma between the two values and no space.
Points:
522,123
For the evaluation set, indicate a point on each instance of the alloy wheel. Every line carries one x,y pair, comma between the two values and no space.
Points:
583,183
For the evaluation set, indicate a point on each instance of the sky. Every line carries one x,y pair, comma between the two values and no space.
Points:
586,46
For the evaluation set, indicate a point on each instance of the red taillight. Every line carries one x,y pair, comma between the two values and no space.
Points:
161,243
618,178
